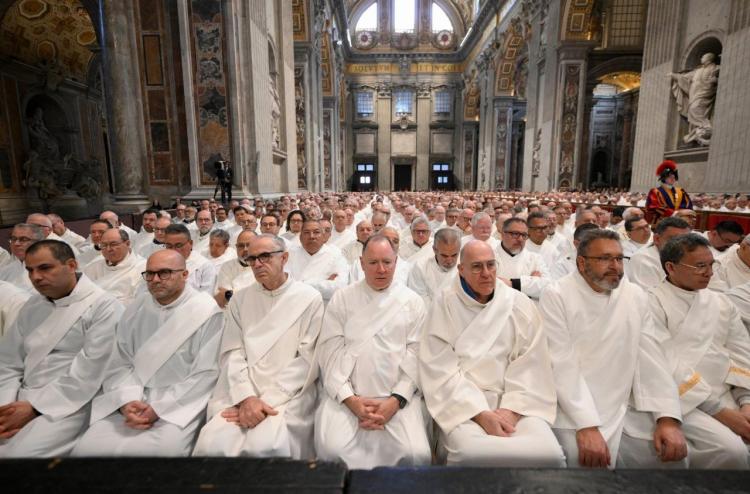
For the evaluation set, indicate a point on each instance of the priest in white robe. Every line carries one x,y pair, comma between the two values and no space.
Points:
566,264
112,218
66,234
353,250
218,250
644,268
636,237
118,269
91,250
403,267
735,266
341,235
708,352
317,264
235,274
157,244
538,242
516,266
43,222
430,275
486,371
608,365
371,412
264,402
146,234
162,369
202,235
22,237
202,274
52,358
418,244
481,229
10,304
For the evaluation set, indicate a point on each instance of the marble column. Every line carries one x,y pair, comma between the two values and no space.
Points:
124,102
424,113
501,151
383,110
571,86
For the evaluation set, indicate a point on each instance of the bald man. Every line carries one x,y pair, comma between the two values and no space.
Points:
162,370
353,250
486,372
114,220
65,233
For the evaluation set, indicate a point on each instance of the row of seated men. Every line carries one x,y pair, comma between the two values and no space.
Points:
578,375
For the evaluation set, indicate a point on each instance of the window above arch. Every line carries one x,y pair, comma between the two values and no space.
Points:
404,16
440,20
368,21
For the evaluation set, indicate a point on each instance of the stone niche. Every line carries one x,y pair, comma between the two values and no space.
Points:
404,143
441,143
364,143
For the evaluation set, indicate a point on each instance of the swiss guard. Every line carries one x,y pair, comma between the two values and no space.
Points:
663,200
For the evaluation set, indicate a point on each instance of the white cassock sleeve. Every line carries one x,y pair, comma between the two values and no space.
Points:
417,282
207,278
451,397
328,287
534,285
692,388
331,351
293,377
406,384
573,394
179,404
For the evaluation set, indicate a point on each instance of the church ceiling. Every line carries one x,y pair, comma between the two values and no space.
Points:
49,33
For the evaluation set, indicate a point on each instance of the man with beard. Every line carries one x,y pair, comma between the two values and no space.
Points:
608,366
205,224
430,275
518,267
160,229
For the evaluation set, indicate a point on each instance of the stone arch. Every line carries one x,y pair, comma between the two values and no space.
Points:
358,9
513,49
708,41
575,23
459,27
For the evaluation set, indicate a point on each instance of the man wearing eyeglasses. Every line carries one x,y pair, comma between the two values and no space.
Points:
724,238
202,235
486,372
43,222
118,269
202,274
708,351
319,265
418,243
163,368
21,238
371,412
235,274
518,267
539,242
645,268
609,369
263,404
160,229
53,357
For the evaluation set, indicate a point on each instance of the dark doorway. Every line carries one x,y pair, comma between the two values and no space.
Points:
599,164
401,177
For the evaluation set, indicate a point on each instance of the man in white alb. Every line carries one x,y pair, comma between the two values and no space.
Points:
481,229
52,358
608,366
66,234
371,412
118,269
160,230
430,275
202,273
218,250
22,237
353,250
263,404
644,267
317,264
162,369
518,267
236,273
341,235
486,373
419,244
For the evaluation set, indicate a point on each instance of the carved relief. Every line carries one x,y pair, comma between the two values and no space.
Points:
327,157
501,149
299,110
571,86
536,158
468,158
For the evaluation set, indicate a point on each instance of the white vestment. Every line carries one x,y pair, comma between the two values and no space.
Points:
732,271
548,252
10,304
200,242
88,254
14,272
143,238
5,257
408,250
72,238
520,267
317,268
267,352
708,351
352,251
563,267
146,250
604,356
228,255
167,357
368,347
427,278
54,356
123,281
644,268
478,357
341,240
55,236
202,273
740,296
629,248
234,275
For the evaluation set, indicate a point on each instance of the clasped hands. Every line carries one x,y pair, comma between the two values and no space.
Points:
499,422
138,415
249,413
14,416
373,413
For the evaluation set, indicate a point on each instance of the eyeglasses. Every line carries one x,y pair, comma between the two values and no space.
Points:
700,268
111,245
607,259
263,257
164,274
478,267
517,235
421,232
20,240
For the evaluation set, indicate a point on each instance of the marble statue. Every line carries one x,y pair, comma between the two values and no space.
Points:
695,92
275,115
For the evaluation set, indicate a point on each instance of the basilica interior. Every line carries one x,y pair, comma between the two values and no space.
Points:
113,104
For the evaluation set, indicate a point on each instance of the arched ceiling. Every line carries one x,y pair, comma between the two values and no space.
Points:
46,33
463,7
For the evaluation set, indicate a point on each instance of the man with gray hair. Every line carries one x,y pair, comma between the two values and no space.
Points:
630,213
708,352
65,233
22,237
217,251
644,267
418,243
481,229
114,220
263,404
430,275
118,269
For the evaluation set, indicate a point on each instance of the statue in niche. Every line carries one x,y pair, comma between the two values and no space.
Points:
695,92
42,141
536,154
275,114
40,175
